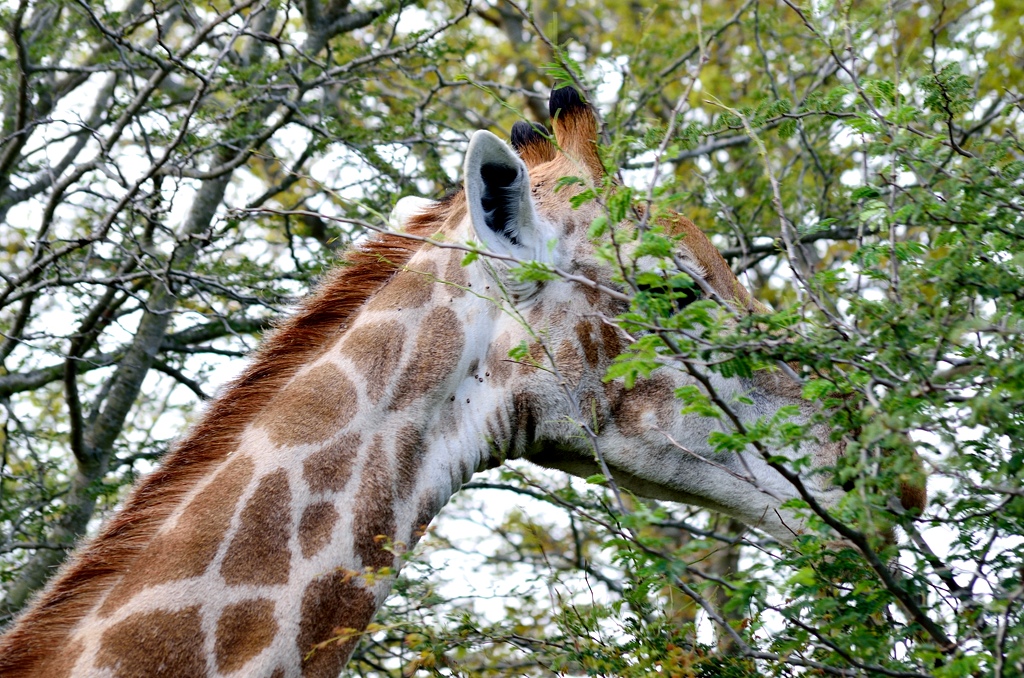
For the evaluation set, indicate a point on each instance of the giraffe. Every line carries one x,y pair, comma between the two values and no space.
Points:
269,537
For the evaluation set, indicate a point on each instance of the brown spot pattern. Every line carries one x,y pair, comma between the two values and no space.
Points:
187,549
427,508
537,356
524,422
498,439
536,315
329,605
439,345
153,644
376,349
328,470
587,343
776,383
243,630
409,452
456,274
570,226
316,526
648,395
310,409
374,516
610,339
497,362
259,552
411,288
560,316
317,323
569,362
592,295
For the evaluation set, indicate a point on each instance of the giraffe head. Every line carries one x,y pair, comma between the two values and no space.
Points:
550,404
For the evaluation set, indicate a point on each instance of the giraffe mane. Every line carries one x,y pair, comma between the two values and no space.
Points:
298,340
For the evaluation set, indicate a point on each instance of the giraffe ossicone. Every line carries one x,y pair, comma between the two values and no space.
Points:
246,552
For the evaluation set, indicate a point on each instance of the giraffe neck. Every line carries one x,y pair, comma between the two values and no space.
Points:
279,558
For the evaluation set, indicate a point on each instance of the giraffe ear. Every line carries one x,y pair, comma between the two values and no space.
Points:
498,195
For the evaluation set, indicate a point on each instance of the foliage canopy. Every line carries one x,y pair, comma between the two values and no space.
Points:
173,175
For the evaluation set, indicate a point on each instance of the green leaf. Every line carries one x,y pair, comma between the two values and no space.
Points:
865,193
816,389
598,227
562,182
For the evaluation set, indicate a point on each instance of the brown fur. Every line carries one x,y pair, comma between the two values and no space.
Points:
374,520
586,339
243,630
497,363
647,395
376,349
439,344
717,273
537,357
592,295
189,547
61,661
610,340
537,314
525,411
409,289
409,451
569,362
297,342
316,526
329,468
259,552
329,605
536,152
172,641
576,131
426,509
326,397
456,274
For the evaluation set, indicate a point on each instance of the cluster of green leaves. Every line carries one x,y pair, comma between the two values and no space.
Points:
870,147
906,330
